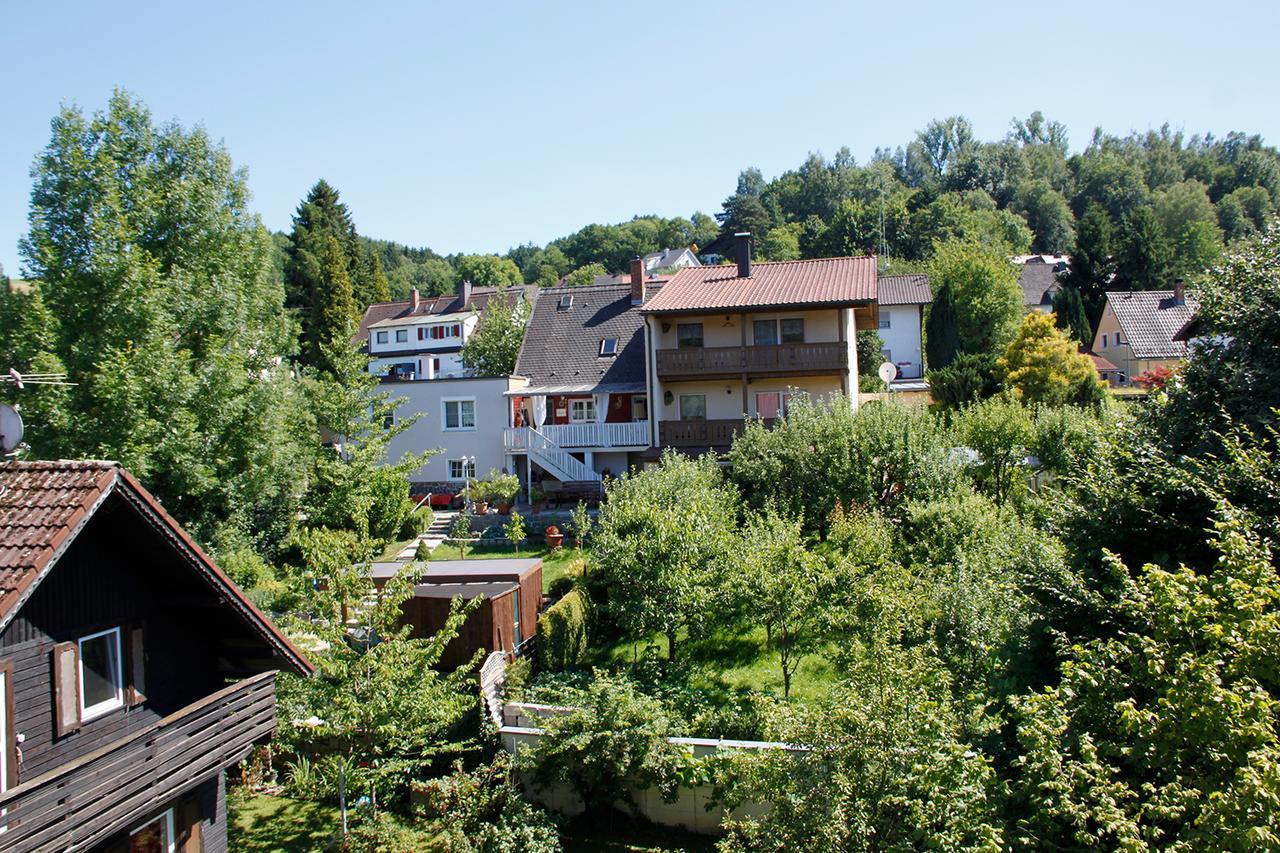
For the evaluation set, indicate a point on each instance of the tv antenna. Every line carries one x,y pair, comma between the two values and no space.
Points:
21,380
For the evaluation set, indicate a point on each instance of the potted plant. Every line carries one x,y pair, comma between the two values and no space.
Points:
503,489
478,491
554,537
535,499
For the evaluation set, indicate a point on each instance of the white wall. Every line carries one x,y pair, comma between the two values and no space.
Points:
450,364
484,441
902,338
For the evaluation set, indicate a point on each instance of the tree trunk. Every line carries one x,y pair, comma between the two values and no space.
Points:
671,646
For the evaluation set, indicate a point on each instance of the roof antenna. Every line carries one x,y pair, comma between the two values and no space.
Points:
11,426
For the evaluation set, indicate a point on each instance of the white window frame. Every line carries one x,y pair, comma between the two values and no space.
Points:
380,337
606,351
468,470
107,705
582,411
171,842
444,414
640,400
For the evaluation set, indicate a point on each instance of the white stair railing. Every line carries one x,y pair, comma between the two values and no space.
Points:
557,460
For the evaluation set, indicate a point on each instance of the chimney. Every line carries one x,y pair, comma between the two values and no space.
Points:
637,280
742,250
1179,292
414,300
464,291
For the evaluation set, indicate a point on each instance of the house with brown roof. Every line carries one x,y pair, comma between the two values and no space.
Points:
133,672
1139,331
902,300
729,343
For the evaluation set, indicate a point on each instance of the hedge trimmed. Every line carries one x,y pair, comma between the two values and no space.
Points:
562,631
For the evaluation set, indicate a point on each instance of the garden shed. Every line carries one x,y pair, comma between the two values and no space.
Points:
507,619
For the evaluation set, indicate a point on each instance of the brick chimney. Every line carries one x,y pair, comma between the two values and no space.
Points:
1179,292
742,252
414,300
637,280
465,292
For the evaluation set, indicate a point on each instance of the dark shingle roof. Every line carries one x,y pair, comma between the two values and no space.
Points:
432,305
1039,284
1149,320
905,290
819,282
561,348
45,505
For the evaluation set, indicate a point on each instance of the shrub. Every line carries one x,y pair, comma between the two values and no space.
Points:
970,377
563,633
483,811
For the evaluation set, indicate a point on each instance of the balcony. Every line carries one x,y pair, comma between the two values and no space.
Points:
587,436
772,360
79,804
718,434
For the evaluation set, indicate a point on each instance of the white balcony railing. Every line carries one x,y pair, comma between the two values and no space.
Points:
592,435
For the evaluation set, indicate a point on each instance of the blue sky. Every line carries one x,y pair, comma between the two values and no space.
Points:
475,127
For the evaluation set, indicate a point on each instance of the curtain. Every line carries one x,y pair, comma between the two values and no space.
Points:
539,410
602,407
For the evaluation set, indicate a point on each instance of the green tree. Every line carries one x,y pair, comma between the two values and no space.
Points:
986,294
1143,255
969,378
333,310
1043,365
310,266
999,430
515,531
372,285
781,243
494,345
585,275
1069,314
942,330
1190,226
488,270
1092,261
662,568
1048,214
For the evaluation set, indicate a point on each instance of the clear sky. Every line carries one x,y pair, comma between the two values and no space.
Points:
477,126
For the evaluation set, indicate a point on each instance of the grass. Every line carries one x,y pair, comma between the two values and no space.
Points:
615,832
394,548
262,823
555,564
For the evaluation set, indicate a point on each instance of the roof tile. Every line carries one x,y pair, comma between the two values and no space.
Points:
823,281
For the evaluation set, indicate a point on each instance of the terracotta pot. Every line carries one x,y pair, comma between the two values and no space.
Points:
554,540
482,507
536,506
504,509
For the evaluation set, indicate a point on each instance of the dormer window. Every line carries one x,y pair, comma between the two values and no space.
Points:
566,302
608,347
381,337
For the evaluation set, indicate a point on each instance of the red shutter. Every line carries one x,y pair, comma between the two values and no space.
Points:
419,333
66,688
457,331
135,658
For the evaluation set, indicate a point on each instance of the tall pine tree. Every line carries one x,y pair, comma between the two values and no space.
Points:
333,310
942,330
1069,310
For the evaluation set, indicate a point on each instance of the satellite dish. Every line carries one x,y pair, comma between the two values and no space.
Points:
10,428
888,372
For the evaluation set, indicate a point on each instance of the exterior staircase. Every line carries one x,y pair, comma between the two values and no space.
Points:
557,461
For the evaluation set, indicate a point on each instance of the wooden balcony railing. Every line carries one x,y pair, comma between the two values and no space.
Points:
777,359
715,433
83,802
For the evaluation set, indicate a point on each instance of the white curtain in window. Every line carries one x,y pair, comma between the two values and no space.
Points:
539,410
602,407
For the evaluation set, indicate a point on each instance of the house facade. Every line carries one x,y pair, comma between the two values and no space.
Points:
902,300
1138,331
133,672
730,343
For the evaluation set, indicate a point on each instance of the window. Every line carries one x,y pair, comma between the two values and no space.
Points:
609,346
1118,341
772,404
766,332
402,336
582,411
688,335
460,414
389,420
462,469
693,407
885,320
792,330
1104,341
566,302
640,408
382,337
101,680
515,618
154,836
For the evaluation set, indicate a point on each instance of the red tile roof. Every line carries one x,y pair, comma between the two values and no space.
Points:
824,282
1099,363
45,505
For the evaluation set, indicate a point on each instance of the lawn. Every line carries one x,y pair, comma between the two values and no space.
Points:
554,563
263,823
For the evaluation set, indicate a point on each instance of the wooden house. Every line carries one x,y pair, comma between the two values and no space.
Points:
133,672
506,620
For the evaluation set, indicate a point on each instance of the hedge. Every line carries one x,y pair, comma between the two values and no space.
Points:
562,631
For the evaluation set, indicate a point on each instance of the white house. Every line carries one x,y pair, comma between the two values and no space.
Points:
670,259
902,301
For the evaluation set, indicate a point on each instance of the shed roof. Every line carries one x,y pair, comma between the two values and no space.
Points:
820,282
514,566
910,289
45,505
466,591
1150,320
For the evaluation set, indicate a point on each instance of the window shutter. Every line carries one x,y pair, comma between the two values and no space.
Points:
190,829
135,655
66,688
419,333
10,734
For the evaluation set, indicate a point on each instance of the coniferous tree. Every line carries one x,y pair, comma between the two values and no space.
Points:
372,286
1143,257
1068,307
1092,262
942,330
333,309
320,216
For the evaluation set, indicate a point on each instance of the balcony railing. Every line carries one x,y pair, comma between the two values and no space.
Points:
776,359
79,804
634,434
714,433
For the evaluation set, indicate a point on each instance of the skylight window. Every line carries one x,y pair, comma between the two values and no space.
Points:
566,302
608,346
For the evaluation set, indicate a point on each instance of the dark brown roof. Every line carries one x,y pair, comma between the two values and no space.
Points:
431,305
1150,319
904,290
45,505
1099,363
561,346
820,282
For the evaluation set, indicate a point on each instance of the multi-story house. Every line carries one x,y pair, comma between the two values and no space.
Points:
902,299
133,672
1138,331
730,343
415,346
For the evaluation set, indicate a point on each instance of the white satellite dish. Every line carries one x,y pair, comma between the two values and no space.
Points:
888,372
10,428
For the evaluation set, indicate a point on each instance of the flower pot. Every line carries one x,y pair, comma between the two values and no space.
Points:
536,506
555,540
482,507
504,509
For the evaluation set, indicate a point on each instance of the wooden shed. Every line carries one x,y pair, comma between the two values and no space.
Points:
506,620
